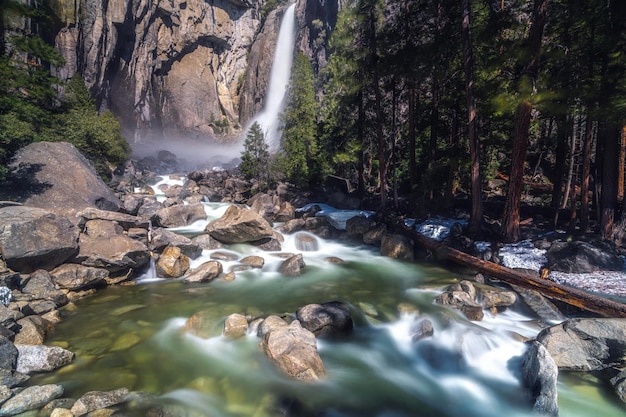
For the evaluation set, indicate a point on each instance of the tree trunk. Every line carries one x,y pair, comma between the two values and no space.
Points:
380,142
622,165
361,153
584,181
609,180
561,150
511,216
454,164
569,295
476,214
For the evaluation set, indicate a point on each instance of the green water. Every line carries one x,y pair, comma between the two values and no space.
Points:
131,336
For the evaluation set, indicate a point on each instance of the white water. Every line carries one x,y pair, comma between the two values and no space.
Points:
269,117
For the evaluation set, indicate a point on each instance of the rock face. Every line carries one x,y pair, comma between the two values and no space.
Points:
171,65
40,170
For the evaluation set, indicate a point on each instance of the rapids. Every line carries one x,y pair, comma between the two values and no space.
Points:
132,336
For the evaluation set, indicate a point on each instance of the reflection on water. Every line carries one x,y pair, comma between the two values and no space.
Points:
132,337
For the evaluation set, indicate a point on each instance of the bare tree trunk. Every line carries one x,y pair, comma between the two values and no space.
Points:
476,215
584,181
511,216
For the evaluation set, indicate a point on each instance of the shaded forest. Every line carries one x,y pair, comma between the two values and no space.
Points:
424,101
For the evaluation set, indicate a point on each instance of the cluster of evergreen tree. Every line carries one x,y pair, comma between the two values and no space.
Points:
36,106
426,97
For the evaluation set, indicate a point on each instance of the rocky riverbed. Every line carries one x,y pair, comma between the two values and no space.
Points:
70,235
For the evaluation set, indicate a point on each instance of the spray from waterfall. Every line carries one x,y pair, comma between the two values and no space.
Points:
269,117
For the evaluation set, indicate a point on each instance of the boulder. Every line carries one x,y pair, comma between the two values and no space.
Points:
270,323
235,325
76,277
586,344
33,330
327,319
172,263
40,286
206,272
201,324
96,400
291,226
581,257
461,296
286,212
32,238
31,398
103,245
176,216
292,266
205,241
54,175
127,221
539,376
541,306
493,298
239,225
8,354
293,350
161,238
397,246
306,242
253,261
619,384
421,329
41,358
375,235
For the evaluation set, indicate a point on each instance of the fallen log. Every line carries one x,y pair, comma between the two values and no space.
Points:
550,289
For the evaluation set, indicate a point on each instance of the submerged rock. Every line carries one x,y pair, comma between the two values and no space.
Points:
235,325
292,266
332,318
96,400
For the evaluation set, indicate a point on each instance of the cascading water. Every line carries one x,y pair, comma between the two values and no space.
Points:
269,117
134,337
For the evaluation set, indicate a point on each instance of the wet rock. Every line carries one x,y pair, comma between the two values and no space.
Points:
332,318
286,212
225,256
586,344
397,246
32,330
205,241
41,358
33,238
619,385
292,266
580,257
54,175
306,242
206,272
96,400
293,350
201,324
76,277
253,261
161,238
539,376
291,226
39,285
177,216
31,398
172,263
235,325
358,225
271,244
239,225
544,309
421,329
270,323
461,296
375,235
494,298
264,205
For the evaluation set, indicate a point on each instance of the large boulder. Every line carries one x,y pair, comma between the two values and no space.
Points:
239,225
586,344
397,246
40,286
33,238
176,216
581,257
172,263
103,245
539,375
41,358
76,277
293,350
54,175
31,398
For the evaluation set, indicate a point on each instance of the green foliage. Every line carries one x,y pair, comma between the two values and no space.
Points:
301,158
255,157
269,6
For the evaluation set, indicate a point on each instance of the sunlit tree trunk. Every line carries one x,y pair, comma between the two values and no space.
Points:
476,214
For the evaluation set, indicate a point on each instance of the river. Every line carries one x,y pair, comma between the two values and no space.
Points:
132,336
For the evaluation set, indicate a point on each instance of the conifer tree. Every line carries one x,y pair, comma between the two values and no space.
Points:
255,158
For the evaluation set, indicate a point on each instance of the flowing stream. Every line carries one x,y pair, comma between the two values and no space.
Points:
132,336
269,117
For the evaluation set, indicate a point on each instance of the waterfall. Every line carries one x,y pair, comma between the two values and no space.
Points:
269,117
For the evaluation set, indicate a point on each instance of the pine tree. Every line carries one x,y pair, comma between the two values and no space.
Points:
255,158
